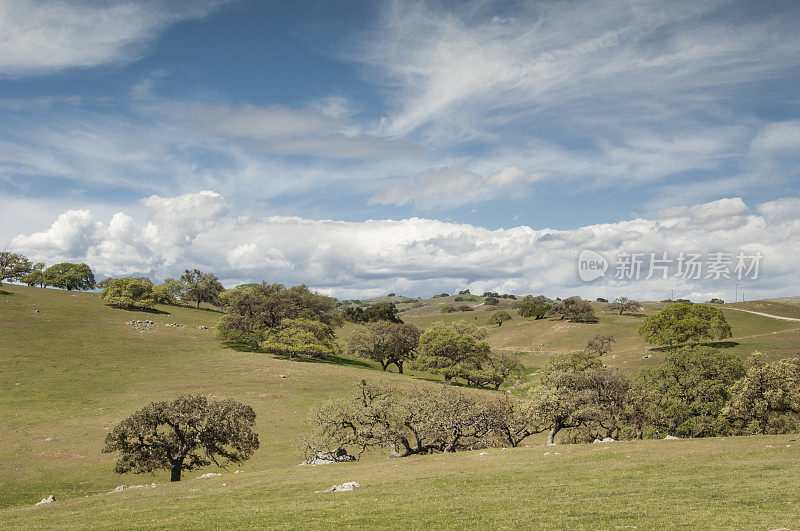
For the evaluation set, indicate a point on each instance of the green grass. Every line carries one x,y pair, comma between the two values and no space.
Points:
71,371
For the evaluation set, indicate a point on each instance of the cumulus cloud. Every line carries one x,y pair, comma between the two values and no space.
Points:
452,186
419,256
40,37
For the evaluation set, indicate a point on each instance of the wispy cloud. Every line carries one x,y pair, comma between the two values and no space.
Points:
39,37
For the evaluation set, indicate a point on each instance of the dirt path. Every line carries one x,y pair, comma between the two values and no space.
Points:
763,314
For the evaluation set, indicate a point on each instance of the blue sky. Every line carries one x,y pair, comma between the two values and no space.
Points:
433,130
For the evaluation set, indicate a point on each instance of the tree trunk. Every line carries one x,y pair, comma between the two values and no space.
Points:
385,365
399,366
198,303
176,472
552,434
639,433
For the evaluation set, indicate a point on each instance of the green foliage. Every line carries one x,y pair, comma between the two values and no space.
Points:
301,338
491,301
129,292
576,391
682,323
691,389
170,291
499,317
383,311
184,434
624,304
536,307
385,342
253,311
69,276
13,266
767,398
447,308
452,349
418,420
201,287
575,309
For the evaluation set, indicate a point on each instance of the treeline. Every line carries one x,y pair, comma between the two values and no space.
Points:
15,267
696,392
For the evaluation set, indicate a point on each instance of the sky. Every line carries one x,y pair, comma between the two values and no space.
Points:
411,147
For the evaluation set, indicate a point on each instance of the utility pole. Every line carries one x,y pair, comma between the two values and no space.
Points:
672,297
737,292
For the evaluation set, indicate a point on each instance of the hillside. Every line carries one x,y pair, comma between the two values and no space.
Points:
71,367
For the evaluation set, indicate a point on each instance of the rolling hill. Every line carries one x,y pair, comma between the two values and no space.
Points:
72,367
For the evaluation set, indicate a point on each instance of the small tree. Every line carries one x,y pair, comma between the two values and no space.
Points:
169,291
536,307
599,345
574,309
499,317
624,304
385,342
36,275
767,398
254,310
201,287
682,323
452,349
301,337
184,434
69,276
576,391
13,266
129,292
495,370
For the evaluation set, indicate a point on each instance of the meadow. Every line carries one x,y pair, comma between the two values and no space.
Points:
71,368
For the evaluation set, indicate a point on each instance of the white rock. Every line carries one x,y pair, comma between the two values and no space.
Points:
547,453
344,487
671,438
484,453
608,439
209,475
49,499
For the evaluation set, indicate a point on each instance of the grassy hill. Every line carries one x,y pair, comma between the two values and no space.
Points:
71,368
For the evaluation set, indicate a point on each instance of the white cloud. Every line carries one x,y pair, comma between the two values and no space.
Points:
779,136
417,255
452,186
40,37
452,69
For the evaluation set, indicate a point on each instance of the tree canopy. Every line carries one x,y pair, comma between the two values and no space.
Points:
691,388
254,311
183,434
300,337
69,276
536,307
682,323
767,398
201,287
499,317
452,349
574,309
383,311
13,266
385,342
127,292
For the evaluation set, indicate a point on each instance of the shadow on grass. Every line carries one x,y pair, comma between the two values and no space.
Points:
335,360
712,344
138,309
332,360
3,292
